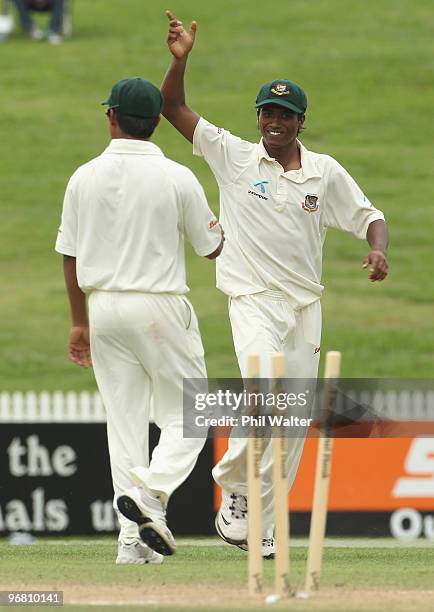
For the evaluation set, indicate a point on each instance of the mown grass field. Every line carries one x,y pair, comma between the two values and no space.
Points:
368,71
212,576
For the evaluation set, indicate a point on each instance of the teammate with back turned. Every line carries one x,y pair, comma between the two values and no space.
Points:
276,201
125,216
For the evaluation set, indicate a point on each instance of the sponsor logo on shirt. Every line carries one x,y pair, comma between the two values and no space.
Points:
281,89
310,203
258,195
261,187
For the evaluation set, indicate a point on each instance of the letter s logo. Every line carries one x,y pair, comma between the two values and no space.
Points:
420,463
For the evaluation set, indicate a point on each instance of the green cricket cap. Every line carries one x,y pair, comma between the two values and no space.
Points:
284,93
135,97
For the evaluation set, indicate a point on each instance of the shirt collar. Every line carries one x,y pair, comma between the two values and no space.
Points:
308,165
128,146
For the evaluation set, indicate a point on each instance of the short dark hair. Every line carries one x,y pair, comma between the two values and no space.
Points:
137,126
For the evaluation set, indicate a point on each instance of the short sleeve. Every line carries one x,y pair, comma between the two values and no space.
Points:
347,207
226,155
201,228
66,242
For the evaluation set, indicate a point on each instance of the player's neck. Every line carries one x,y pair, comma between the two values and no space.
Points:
288,157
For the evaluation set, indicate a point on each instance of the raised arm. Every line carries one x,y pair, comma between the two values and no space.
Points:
175,110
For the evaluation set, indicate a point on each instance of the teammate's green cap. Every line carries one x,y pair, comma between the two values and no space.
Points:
135,97
284,93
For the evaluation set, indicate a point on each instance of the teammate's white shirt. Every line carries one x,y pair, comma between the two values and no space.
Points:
275,221
125,240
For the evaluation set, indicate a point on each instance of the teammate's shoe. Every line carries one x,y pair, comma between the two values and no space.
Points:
138,505
231,519
134,552
267,548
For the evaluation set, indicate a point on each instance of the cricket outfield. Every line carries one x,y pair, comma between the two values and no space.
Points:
368,74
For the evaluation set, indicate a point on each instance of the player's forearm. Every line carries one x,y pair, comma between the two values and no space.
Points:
218,250
77,299
377,236
172,88
174,108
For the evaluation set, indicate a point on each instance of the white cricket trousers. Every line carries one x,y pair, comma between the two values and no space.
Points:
266,323
145,344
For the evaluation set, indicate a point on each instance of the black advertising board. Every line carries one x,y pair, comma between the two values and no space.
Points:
55,479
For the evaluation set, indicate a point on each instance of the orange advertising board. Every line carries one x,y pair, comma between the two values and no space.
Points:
378,474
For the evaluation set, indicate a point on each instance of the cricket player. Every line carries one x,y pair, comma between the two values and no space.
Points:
125,216
276,201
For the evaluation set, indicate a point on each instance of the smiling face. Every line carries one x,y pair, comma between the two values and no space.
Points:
279,126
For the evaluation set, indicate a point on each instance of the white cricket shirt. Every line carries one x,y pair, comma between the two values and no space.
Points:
275,222
125,215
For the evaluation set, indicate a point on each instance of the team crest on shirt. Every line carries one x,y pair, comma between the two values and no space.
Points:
281,89
310,203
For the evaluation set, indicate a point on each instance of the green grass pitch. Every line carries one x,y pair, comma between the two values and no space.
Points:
210,575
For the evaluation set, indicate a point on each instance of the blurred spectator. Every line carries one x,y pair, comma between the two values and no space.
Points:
54,32
6,22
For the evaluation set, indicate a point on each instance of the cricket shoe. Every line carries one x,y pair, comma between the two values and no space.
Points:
267,548
134,552
138,505
231,519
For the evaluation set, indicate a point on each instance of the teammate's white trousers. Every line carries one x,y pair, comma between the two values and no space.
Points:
145,344
266,323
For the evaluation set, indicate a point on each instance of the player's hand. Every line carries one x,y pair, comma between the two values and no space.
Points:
79,347
179,40
379,267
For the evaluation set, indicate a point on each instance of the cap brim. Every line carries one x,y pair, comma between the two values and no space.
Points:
283,103
107,103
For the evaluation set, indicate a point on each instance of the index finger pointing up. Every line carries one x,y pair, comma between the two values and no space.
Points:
171,16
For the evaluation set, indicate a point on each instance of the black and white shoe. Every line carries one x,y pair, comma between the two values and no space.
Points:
135,552
231,519
138,505
267,548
